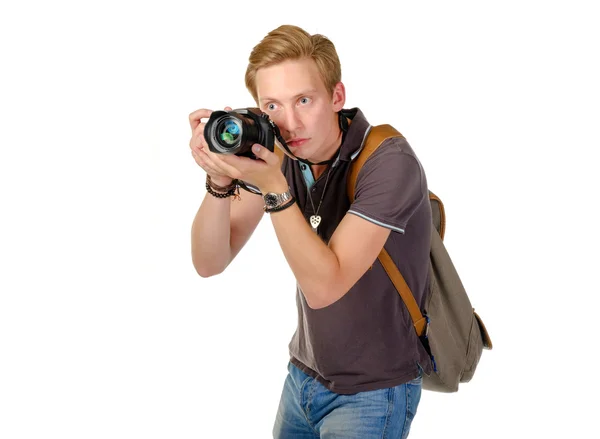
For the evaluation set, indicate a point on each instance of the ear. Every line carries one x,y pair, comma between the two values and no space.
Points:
338,98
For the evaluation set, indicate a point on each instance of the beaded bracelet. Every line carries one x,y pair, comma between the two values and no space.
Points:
230,189
221,188
280,208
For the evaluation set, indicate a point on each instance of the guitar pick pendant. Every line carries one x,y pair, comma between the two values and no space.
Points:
315,220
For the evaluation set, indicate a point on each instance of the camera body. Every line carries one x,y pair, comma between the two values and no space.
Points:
234,132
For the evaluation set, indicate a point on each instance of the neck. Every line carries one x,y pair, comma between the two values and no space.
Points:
318,170
328,154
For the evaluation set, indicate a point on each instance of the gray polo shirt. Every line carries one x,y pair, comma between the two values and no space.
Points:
366,340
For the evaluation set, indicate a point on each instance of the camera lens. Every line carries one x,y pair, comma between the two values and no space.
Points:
228,132
234,132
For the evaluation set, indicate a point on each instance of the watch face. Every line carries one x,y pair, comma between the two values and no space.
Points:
271,200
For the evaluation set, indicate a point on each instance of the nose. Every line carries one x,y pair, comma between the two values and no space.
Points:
291,120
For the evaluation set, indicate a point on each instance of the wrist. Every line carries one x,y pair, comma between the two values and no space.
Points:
278,198
222,191
287,204
277,185
223,181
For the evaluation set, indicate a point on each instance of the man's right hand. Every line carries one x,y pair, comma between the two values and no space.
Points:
202,155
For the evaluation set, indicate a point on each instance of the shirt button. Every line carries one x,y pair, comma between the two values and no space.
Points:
303,167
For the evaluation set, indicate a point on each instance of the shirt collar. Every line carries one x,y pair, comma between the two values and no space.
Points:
354,138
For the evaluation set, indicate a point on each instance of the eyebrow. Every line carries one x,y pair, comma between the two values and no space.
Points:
312,90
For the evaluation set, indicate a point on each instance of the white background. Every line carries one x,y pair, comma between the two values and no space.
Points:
106,330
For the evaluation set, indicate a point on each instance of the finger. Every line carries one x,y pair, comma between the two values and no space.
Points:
228,109
229,164
197,115
197,142
198,139
198,132
196,148
205,163
264,154
216,162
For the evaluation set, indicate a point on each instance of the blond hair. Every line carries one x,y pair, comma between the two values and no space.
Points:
289,42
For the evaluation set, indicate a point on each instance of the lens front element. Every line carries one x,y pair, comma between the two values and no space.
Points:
229,132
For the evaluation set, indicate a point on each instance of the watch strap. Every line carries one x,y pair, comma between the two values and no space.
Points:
281,207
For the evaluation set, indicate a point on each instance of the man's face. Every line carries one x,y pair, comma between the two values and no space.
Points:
294,96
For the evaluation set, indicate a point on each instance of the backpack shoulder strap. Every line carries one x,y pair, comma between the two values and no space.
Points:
419,322
375,137
439,214
279,152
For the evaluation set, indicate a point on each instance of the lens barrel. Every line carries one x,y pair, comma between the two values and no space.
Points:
231,133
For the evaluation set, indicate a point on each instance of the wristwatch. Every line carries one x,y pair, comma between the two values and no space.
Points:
273,200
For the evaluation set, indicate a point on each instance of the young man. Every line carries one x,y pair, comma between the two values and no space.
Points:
355,361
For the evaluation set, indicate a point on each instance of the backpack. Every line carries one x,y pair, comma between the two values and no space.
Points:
449,328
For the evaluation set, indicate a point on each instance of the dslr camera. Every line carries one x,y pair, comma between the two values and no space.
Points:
234,132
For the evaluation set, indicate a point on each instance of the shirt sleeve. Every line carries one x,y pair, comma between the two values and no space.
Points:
390,186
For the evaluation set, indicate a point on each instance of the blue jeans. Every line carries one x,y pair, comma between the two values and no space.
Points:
307,409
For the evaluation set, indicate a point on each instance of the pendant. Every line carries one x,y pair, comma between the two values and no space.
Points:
315,220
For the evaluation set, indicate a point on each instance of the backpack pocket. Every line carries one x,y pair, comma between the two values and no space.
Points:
478,340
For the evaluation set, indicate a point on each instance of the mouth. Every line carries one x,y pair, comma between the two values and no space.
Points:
296,142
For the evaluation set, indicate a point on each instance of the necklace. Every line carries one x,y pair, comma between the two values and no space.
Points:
315,220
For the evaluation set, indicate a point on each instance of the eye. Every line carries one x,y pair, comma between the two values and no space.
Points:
271,107
304,100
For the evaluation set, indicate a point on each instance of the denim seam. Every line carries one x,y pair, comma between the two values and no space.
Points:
308,400
388,417
407,403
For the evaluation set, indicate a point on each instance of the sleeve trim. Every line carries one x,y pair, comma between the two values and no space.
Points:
379,223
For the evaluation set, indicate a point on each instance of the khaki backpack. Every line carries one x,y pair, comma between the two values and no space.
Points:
449,328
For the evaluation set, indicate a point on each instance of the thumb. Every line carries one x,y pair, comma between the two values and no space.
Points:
264,154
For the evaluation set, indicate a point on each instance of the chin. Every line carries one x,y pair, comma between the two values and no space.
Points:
303,156
299,153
